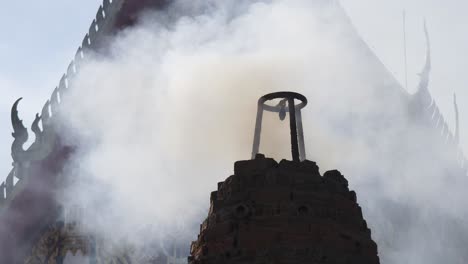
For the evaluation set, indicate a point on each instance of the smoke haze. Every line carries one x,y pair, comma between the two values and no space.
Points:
162,120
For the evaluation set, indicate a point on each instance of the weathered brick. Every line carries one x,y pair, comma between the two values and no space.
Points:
284,213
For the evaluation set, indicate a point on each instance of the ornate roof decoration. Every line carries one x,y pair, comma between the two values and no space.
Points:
42,145
457,121
422,94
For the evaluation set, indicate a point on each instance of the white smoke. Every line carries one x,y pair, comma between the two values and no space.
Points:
162,120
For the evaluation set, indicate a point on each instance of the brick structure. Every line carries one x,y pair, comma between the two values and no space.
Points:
283,213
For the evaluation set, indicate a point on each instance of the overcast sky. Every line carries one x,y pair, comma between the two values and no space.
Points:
39,39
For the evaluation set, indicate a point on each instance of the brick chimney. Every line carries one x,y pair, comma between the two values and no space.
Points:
268,213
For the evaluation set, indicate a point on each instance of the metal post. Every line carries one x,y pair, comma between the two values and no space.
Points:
93,256
300,135
292,122
258,129
404,50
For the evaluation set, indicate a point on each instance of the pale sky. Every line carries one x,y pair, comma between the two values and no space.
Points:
40,38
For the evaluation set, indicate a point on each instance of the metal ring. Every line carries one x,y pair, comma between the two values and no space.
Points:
281,95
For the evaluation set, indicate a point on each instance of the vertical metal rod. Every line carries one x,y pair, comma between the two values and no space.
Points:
292,123
258,130
405,50
93,257
300,135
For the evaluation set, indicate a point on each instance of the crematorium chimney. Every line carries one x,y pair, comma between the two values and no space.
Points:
283,213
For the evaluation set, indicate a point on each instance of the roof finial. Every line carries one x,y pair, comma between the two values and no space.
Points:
457,121
424,82
422,94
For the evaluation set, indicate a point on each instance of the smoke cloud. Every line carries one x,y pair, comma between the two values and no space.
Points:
161,121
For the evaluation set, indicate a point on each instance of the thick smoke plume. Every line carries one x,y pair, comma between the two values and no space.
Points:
162,120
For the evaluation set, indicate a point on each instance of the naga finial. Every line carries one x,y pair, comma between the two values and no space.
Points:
422,94
424,82
20,132
38,150
457,121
